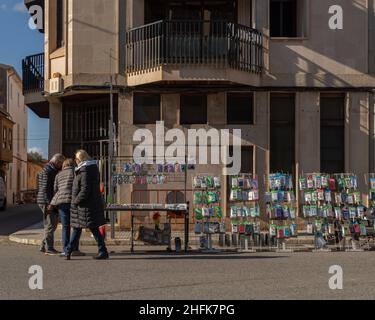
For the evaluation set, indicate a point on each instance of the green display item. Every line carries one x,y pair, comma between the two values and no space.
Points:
198,213
198,198
211,197
210,182
218,212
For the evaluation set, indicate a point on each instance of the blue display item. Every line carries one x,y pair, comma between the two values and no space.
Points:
160,168
279,212
354,182
137,168
254,184
286,232
241,183
345,213
286,212
249,229
289,182
128,168
281,196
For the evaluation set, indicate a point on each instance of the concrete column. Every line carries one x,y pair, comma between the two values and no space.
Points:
170,109
372,132
308,134
125,114
371,34
262,150
262,24
55,127
358,138
244,10
135,13
216,109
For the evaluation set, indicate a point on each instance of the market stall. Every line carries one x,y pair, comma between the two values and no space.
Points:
133,210
149,178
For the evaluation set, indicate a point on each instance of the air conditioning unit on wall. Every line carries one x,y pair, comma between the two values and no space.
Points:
56,85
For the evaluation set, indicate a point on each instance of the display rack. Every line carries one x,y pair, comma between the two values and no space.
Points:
348,199
281,210
317,194
126,172
245,211
208,211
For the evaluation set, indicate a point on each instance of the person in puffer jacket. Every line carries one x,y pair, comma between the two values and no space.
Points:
87,211
46,180
63,199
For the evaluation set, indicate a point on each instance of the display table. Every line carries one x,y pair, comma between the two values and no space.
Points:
181,209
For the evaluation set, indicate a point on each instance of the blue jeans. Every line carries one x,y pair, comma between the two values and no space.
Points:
76,236
64,212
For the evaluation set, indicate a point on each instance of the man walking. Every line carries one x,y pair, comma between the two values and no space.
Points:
46,181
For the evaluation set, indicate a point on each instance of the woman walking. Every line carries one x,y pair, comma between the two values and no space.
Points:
62,199
87,209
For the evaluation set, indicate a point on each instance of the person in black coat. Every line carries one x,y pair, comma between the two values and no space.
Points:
87,208
46,180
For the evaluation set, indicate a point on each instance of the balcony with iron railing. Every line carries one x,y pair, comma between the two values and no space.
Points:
33,73
188,44
33,84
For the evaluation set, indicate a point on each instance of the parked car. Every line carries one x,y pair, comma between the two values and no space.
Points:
3,198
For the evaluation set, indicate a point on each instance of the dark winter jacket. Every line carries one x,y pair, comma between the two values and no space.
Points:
46,181
63,187
87,203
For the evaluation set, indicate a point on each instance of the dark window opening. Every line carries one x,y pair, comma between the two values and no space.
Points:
86,124
282,131
60,24
193,109
240,108
146,108
332,133
283,18
156,10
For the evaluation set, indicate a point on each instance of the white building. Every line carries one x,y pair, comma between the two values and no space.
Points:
17,170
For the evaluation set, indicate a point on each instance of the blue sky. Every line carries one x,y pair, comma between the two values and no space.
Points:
16,42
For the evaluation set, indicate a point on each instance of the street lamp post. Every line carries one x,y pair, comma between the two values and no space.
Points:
110,157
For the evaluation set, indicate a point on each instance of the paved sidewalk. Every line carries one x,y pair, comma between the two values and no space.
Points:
33,235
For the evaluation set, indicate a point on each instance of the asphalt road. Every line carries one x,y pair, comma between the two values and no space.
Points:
17,218
169,277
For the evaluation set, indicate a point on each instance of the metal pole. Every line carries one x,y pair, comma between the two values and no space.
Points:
110,159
